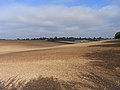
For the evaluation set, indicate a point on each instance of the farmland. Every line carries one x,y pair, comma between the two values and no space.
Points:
30,59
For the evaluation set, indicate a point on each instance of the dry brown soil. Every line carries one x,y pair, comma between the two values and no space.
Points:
29,59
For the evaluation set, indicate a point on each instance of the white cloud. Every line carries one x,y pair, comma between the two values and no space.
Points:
26,21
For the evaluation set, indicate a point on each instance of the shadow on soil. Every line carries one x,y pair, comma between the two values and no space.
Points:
112,43
107,62
109,59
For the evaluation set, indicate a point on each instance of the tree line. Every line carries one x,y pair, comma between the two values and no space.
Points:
64,38
117,36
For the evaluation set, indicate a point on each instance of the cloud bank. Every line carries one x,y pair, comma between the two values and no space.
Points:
24,21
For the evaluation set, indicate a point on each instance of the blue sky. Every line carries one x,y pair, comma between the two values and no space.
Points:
79,18
65,2
97,3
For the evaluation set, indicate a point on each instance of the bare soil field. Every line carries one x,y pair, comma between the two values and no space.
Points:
94,61
8,46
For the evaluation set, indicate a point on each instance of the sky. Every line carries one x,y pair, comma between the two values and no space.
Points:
61,18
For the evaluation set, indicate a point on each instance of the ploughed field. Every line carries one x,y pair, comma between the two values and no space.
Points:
30,59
